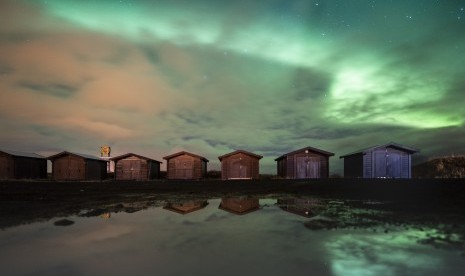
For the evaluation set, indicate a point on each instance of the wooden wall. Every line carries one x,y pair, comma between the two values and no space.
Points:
69,167
378,163
240,166
295,166
282,167
95,169
389,162
30,168
353,166
6,166
21,167
72,167
132,168
185,166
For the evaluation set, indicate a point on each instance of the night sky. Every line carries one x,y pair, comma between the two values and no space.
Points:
156,77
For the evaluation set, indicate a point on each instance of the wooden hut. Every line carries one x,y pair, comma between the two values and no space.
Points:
22,165
240,164
239,205
186,206
76,166
304,163
185,165
386,161
131,166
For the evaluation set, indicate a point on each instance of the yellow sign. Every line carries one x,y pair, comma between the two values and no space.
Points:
105,151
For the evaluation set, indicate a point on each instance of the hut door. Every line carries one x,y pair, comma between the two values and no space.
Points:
301,167
394,167
188,168
61,169
238,168
184,168
74,168
126,170
131,169
380,164
307,167
313,167
135,169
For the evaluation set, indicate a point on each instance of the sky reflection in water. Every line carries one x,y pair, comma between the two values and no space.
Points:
228,236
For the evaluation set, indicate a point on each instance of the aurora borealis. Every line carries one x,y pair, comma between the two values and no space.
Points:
155,77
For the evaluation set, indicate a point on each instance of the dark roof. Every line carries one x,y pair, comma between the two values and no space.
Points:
322,152
240,151
133,154
85,156
22,154
187,153
388,145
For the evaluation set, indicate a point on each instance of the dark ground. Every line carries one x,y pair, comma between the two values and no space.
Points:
24,202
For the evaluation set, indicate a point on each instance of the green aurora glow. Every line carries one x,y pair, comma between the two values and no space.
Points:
267,76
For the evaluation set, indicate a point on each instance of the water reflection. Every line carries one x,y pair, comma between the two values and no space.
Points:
106,215
185,206
239,205
306,207
63,222
280,235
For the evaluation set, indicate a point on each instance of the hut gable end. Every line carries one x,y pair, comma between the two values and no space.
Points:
240,164
75,166
22,165
132,166
186,165
308,162
391,160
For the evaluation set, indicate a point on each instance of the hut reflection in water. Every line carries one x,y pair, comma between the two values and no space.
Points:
239,205
185,206
306,207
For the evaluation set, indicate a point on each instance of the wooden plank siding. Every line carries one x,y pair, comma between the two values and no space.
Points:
304,163
6,166
385,161
240,165
74,166
18,165
30,168
367,165
185,165
131,166
69,168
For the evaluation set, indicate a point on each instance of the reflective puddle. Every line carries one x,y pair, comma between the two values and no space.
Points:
238,236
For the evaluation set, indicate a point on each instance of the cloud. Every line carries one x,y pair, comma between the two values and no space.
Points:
158,77
55,89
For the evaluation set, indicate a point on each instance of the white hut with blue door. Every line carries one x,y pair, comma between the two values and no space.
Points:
385,161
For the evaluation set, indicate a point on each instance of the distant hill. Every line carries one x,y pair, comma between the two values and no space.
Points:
443,167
